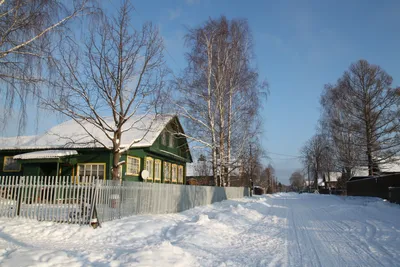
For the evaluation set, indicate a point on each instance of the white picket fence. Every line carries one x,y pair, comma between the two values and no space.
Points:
57,199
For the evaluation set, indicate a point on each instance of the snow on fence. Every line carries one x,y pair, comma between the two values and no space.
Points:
60,200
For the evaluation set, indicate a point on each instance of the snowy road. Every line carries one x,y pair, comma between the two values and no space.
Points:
277,230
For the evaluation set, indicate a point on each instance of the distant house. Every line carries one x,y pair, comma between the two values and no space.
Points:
200,173
391,167
331,179
68,150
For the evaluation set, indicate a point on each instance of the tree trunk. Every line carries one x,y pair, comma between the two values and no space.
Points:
115,167
229,137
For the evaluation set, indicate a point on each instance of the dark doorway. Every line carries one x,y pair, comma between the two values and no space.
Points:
48,169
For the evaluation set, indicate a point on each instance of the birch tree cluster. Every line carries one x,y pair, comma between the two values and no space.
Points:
221,93
359,122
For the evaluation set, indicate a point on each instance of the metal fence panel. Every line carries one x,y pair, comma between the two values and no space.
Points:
78,200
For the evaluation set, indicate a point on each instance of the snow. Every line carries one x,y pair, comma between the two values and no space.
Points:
285,229
46,154
144,129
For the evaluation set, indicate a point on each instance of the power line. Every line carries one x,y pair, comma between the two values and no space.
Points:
285,155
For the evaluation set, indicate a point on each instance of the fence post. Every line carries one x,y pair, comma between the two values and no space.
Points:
21,180
94,220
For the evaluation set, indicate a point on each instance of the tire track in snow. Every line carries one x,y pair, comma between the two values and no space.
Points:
363,253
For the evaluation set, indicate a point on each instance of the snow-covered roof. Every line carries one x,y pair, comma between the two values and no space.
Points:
333,176
360,171
15,141
393,166
46,154
141,130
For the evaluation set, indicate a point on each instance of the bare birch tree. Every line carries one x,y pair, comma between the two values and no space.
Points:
27,37
119,72
220,92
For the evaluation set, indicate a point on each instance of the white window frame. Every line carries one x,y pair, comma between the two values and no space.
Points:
10,170
157,173
85,165
127,166
151,169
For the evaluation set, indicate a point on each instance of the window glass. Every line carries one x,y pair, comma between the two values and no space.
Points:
171,140
157,169
167,171
164,138
11,164
89,170
149,167
133,166
174,172
180,174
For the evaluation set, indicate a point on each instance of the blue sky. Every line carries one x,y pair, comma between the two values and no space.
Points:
299,47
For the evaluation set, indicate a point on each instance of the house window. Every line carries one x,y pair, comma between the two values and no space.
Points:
174,172
164,138
171,140
157,170
11,165
180,174
133,166
92,170
149,167
167,171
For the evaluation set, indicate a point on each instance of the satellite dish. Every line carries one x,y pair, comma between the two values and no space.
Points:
145,174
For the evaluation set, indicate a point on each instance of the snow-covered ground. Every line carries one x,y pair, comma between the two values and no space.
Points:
277,230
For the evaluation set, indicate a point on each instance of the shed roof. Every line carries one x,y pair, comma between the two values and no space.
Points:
46,154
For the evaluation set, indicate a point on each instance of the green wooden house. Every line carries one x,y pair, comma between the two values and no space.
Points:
68,150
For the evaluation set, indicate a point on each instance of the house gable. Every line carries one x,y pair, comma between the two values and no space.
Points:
172,142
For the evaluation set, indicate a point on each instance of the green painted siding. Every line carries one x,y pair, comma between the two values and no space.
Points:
178,154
